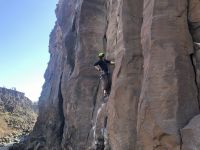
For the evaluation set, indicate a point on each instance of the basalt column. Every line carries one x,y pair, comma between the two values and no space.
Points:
124,44
80,86
169,93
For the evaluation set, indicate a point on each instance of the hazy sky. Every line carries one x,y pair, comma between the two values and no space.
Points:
25,26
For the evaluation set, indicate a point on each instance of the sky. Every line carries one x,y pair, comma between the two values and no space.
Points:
25,26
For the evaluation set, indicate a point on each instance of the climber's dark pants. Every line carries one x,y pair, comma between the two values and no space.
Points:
106,82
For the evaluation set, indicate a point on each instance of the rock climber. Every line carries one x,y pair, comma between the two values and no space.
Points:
102,66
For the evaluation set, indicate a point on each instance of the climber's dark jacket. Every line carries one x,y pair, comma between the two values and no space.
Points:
103,63
105,74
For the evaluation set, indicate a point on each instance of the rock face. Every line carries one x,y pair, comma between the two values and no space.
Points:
191,135
155,81
169,94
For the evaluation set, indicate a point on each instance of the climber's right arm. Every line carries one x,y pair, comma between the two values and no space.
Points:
97,68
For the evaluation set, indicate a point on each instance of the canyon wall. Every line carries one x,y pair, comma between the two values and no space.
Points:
155,80
17,116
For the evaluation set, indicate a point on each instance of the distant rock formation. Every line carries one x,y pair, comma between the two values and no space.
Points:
155,82
17,115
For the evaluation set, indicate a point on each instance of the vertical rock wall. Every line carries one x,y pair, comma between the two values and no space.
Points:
81,86
125,20
169,93
154,82
49,126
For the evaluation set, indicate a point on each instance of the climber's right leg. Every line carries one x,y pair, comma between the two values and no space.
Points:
105,85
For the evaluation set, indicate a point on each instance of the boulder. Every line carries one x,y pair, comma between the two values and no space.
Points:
190,134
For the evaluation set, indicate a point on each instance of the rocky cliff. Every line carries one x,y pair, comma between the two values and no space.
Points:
17,116
155,81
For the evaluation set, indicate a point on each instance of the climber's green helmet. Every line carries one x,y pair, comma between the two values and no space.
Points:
101,54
